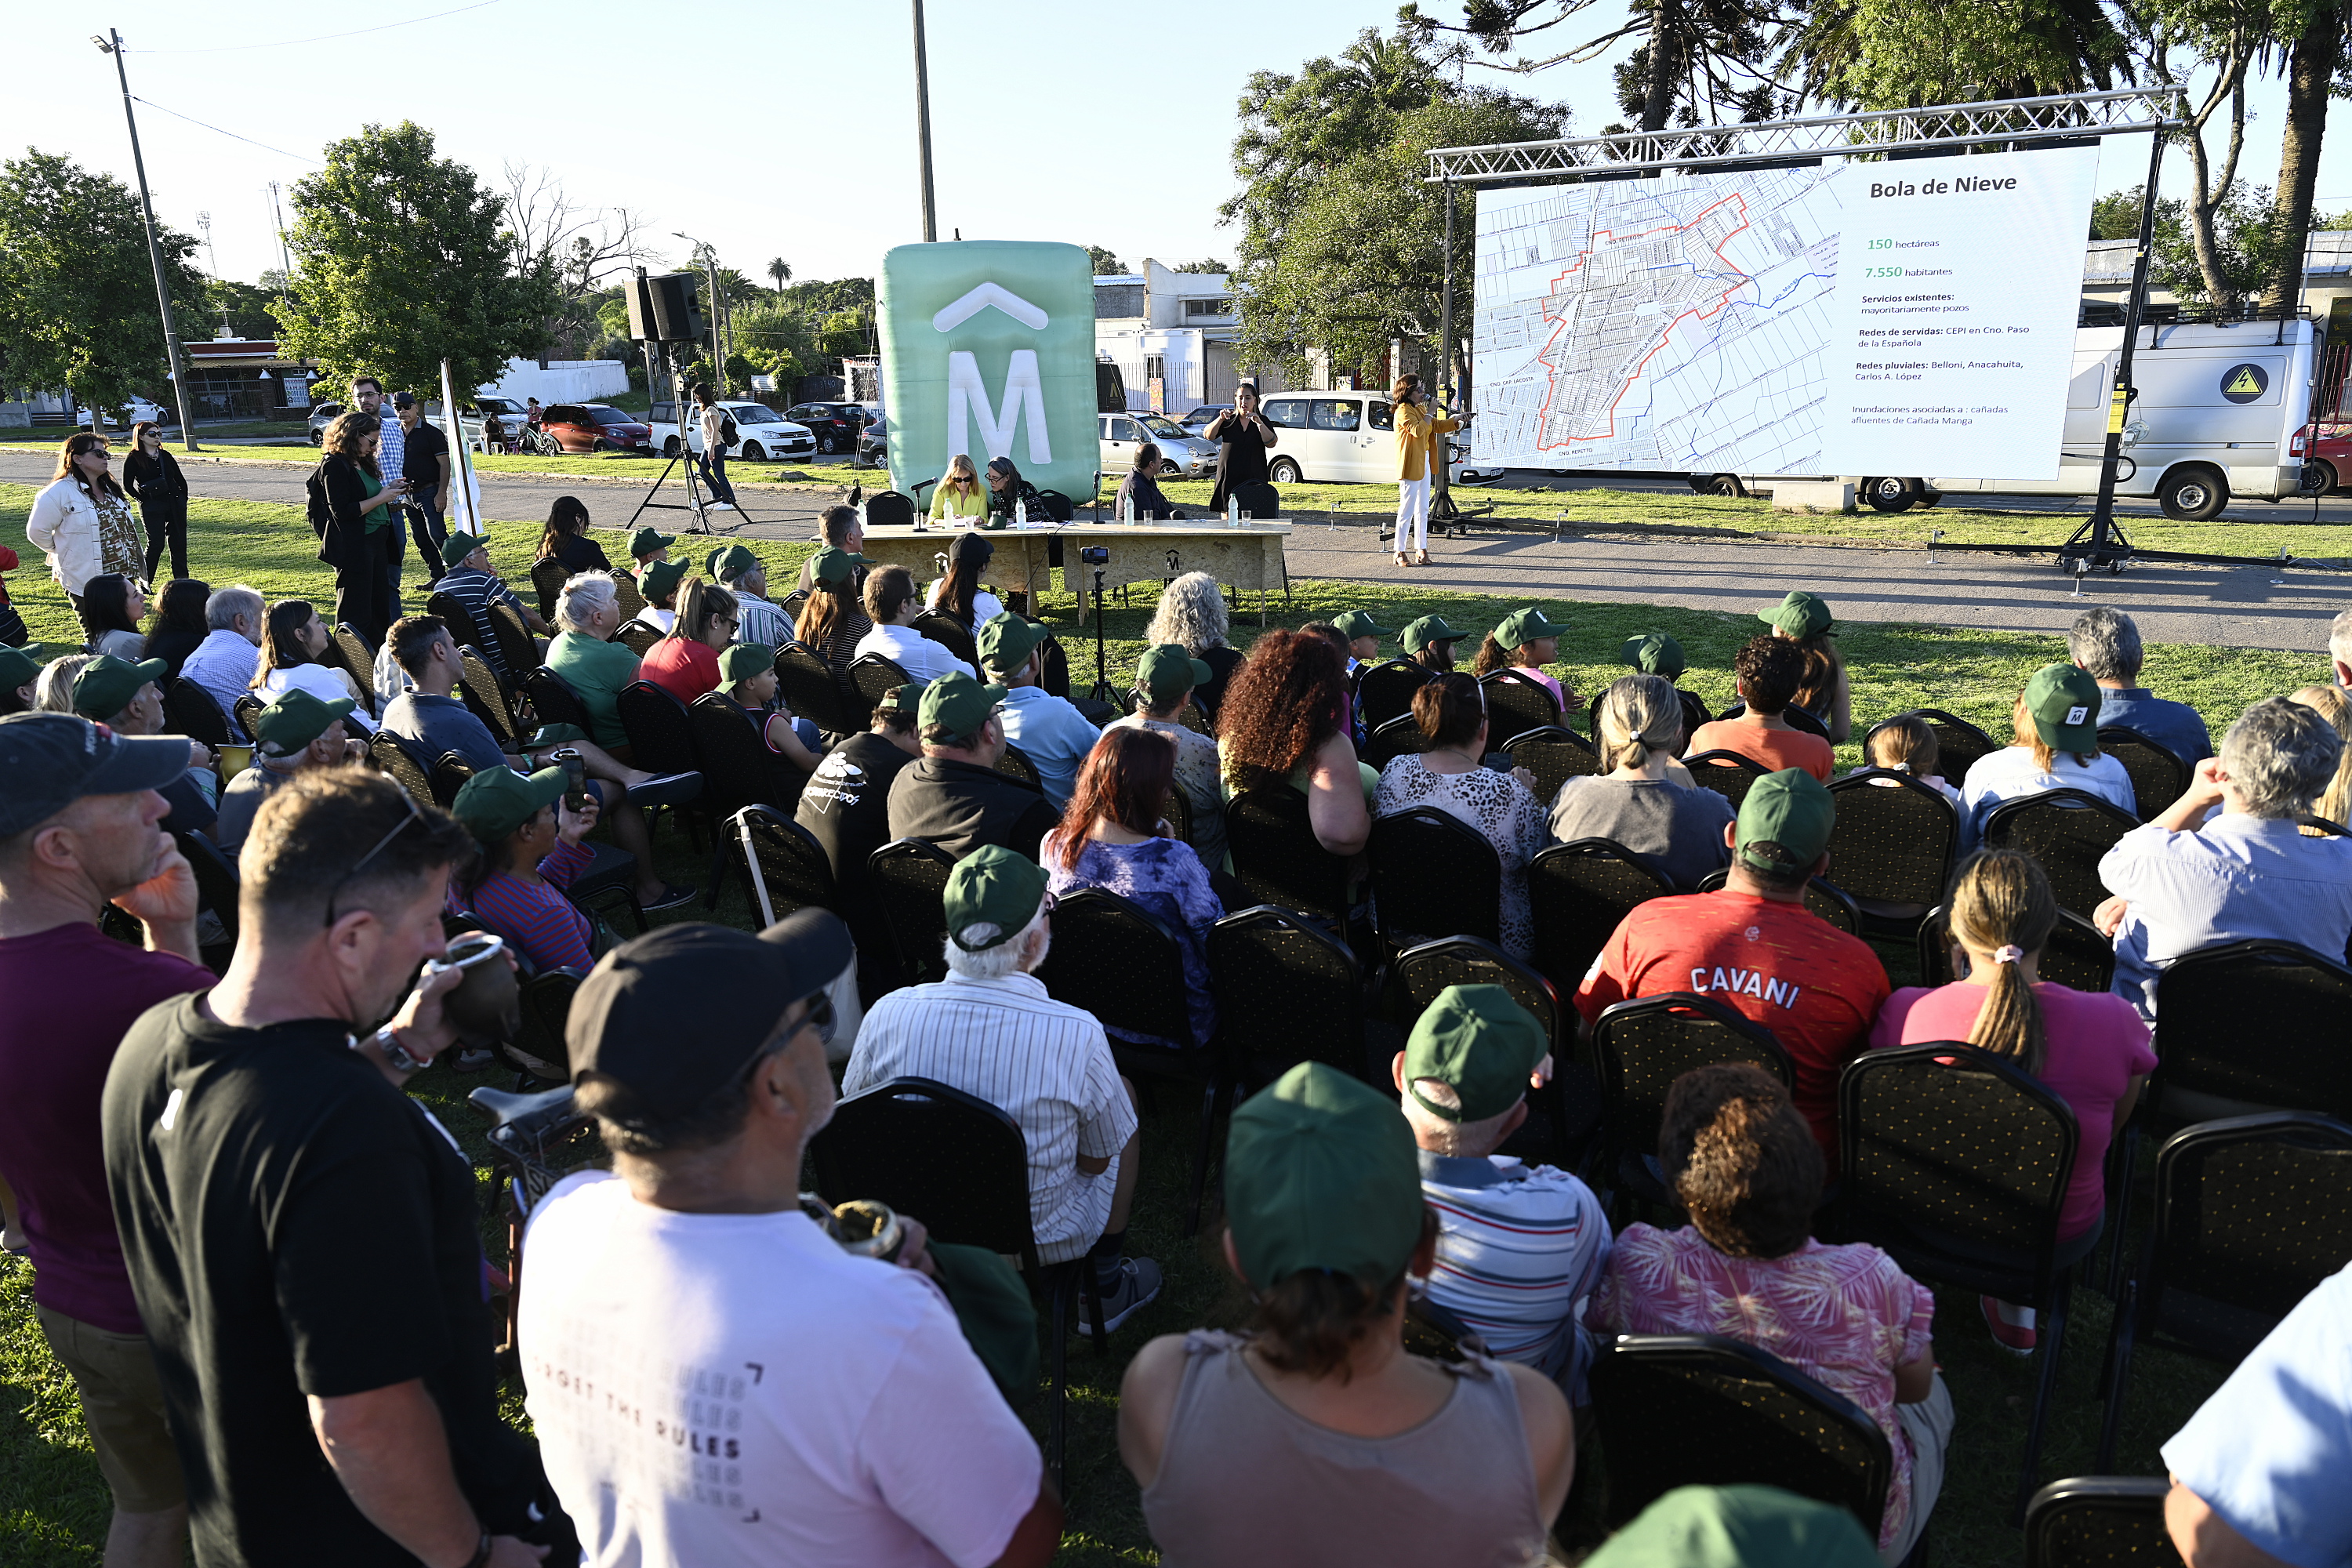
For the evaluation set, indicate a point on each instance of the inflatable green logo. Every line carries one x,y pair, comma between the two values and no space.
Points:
988,349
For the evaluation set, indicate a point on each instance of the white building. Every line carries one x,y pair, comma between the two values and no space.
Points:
1175,329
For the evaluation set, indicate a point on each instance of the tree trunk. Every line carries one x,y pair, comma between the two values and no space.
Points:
2310,70
1666,65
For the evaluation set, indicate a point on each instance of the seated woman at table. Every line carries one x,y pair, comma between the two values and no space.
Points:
1141,486
1007,489
959,498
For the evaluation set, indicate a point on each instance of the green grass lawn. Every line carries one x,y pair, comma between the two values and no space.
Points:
53,1505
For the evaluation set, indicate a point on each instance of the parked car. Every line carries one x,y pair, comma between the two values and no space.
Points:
834,425
1201,418
586,428
1183,455
2326,449
139,410
762,435
874,444
1344,435
321,416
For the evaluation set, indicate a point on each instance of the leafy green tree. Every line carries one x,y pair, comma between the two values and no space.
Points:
846,331
1906,54
1105,264
1207,264
2115,215
76,293
1696,61
402,260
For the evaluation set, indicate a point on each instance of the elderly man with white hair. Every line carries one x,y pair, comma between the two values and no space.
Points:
223,663
989,1030
2190,880
589,612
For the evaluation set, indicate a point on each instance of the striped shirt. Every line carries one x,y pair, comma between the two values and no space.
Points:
1518,1249
477,590
546,928
762,621
1044,1063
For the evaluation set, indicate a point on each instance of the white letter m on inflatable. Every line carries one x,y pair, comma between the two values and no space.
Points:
1024,393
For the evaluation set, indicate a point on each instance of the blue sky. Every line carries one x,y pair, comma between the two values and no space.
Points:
771,128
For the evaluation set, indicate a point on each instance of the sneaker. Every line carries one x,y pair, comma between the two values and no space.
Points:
672,897
1139,1286
2016,1339
472,1061
721,506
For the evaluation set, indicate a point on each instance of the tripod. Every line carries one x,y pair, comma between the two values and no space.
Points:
695,502
1102,691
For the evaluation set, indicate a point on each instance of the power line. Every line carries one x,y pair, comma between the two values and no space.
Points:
324,38
232,135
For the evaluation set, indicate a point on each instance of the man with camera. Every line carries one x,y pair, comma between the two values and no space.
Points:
713,1379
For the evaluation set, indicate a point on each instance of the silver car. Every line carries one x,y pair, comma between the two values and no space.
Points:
1183,455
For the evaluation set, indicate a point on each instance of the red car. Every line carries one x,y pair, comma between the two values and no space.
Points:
592,427
2326,447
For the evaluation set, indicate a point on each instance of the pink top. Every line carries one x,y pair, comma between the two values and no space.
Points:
2097,1044
1558,692
1845,1316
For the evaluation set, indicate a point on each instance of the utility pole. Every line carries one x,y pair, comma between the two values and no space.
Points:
923,128
112,43
713,313
285,257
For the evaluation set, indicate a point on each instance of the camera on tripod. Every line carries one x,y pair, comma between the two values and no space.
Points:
1095,555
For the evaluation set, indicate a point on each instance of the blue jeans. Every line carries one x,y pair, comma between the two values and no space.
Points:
714,474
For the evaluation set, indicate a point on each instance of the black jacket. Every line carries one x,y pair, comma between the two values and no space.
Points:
960,805
155,483
336,495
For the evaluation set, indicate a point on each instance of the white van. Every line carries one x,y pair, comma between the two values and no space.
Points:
2216,417
1348,436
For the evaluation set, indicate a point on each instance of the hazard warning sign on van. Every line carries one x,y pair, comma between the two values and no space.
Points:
2244,383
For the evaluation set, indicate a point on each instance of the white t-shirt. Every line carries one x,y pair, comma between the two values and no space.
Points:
922,659
985,606
715,1390
2008,774
325,685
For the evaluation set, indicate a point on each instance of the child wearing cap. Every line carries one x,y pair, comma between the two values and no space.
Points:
659,583
530,844
648,545
1429,642
1768,669
1315,1439
1822,691
747,674
1363,634
2056,722
1526,641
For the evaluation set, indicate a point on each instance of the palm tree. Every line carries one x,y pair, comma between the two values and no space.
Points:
781,271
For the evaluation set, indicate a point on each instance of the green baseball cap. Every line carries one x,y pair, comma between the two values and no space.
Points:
2064,700
1321,1172
1790,808
1521,628
1420,634
1738,1526
644,541
835,565
458,546
1801,615
107,684
745,660
1166,672
993,894
19,667
1007,640
1359,624
497,801
958,704
661,579
906,699
294,721
1654,653
732,562
1478,1041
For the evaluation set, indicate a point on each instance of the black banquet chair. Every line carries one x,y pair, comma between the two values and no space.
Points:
458,618
1680,1410
1015,763
1287,992
1564,1113
1278,859
2100,1522
910,882
2158,773
2292,1059
1400,737
193,711
553,700
660,730
1579,894
1960,745
1892,846
1516,703
1384,691
872,678
2069,831
1728,773
785,868
1642,1046
2076,955
1823,897
1555,756
806,684
1434,875
2251,1214
487,696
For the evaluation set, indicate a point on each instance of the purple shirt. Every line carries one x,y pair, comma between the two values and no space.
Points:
1167,878
72,993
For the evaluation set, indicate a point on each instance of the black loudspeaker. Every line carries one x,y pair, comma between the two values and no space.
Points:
639,298
671,308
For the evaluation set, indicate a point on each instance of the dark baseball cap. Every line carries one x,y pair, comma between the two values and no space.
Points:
1479,1042
19,666
404,400
48,761
1168,672
674,1016
1006,641
1320,1172
1790,808
1359,624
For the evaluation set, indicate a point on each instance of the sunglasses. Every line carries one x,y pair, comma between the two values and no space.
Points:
819,1017
381,846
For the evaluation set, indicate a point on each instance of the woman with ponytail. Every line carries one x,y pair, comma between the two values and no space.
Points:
2089,1049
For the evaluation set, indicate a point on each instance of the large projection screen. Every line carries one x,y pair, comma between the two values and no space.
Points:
1860,317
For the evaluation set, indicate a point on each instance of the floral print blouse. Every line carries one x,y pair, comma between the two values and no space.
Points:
1503,810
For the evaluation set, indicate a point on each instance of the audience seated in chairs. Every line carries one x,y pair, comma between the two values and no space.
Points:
833,624
1192,614
891,601
475,584
2091,1051
528,838
2104,644
1452,776
1235,1438
1526,642
1113,836
1049,730
589,660
2335,801
2258,1472
747,672
223,663
293,638
745,574
1164,679
2190,879
433,723
954,797
893,1445
2056,722
1906,743
686,663
659,583
295,733
126,699
1519,1247
1769,669
179,627
846,808
1755,946
991,1030
566,539
1673,824
1280,725
1429,642
1735,1152
1822,689
78,831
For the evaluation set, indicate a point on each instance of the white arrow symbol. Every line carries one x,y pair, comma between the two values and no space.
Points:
979,300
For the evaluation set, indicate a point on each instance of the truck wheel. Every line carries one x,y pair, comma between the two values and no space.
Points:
1722,485
1890,493
2193,494
1283,471
669,447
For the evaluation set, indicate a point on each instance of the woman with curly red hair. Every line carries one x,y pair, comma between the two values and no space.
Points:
1282,721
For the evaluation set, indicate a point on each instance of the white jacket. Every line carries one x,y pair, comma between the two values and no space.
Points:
64,522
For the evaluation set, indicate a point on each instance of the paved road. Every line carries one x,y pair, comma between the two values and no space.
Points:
2215,605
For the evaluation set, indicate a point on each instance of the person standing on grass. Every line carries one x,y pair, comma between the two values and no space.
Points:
82,518
714,421
353,499
79,815
153,477
301,1236
392,463
424,464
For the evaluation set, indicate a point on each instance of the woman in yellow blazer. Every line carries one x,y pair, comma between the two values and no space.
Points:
1418,448
961,500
